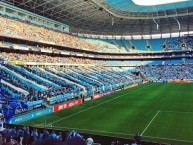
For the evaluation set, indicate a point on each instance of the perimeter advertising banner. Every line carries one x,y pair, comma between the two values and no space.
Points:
67,105
108,93
27,109
103,94
131,86
96,96
87,99
29,116
179,81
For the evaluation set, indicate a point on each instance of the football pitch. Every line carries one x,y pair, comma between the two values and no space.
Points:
159,112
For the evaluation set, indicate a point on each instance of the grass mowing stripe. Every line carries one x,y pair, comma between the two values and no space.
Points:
93,107
85,109
150,122
132,113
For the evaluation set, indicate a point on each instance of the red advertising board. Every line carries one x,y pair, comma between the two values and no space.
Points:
67,105
96,96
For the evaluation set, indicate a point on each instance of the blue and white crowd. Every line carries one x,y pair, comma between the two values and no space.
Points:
33,136
168,72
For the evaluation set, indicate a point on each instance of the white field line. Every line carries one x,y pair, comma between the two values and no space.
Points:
172,139
89,130
91,107
95,132
176,112
84,110
150,122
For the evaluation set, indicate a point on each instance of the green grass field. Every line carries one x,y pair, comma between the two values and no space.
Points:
159,112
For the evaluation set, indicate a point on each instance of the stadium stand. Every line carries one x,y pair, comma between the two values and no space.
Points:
168,72
35,84
14,27
45,67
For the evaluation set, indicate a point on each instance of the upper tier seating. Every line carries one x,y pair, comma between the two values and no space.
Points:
13,27
20,29
29,57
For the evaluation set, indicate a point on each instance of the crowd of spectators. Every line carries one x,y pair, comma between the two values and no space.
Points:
31,93
33,136
181,43
14,27
29,57
21,135
18,28
168,72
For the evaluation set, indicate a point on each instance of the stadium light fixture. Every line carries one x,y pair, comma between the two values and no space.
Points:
155,2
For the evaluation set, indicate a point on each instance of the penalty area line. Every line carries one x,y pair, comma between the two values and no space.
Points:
150,122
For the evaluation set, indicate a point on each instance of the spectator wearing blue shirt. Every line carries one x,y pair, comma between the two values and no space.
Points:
34,135
53,134
26,136
45,134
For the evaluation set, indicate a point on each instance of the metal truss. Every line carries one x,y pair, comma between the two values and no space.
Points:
95,17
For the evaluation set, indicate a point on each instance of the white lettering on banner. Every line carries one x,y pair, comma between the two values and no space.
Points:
60,107
37,106
65,106
18,119
22,118
71,104
22,110
97,96
87,99
118,90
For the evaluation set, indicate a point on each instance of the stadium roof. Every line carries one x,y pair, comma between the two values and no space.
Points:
115,17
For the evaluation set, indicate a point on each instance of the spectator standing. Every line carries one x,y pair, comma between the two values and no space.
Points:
34,135
1,139
53,134
137,138
19,134
59,136
89,140
8,142
26,136
45,134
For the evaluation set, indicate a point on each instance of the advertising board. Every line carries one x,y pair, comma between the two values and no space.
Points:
87,99
29,116
67,105
96,96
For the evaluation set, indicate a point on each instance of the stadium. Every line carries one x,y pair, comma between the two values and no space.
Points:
96,72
